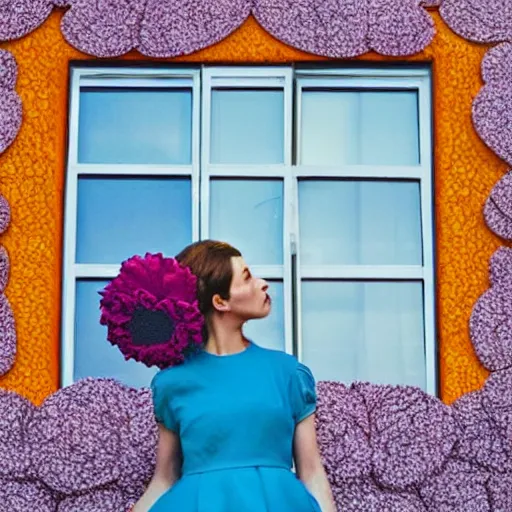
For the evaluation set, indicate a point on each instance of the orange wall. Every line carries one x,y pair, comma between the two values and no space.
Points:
32,180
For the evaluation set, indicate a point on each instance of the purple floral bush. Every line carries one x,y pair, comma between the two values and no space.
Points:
491,319
166,28
481,21
15,413
7,336
398,449
492,108
25,495
10,122
10,103
102,500
176,28
93,434
7,326
498,208
490,21
90,447
346,28
20,17
411,434
4,268
459,487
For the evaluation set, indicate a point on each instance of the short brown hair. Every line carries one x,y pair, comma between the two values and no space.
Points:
210,262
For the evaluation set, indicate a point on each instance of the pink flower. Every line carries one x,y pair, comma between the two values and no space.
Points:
151,311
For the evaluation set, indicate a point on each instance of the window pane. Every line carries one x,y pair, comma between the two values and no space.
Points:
94,355
120,217
369,331
346,222
269,332
367,127
247,126
135,126
249,215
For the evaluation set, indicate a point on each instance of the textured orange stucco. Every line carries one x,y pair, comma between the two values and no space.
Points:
32,179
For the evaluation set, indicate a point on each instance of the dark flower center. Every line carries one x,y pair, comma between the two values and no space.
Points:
150,327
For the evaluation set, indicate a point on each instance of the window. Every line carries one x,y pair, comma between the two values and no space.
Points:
322,177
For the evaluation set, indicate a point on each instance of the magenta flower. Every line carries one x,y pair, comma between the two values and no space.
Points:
151,311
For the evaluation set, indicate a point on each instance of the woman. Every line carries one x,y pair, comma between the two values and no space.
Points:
231,417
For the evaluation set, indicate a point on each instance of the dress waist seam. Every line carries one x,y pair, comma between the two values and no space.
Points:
228,468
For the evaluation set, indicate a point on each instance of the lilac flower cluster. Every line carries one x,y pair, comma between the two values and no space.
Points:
20,17
490,21
498,208
7,326
88,447
492,117
415,453
492,108
346,28
10,103
481,21
399,449
165,28
491,319
91,447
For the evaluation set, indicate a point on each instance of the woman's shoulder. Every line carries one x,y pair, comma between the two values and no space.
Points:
279,358
172,379
289,363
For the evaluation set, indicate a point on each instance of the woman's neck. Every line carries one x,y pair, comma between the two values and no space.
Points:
225,339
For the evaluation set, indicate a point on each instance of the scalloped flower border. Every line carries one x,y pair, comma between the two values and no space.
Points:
10,123
476,20
166,28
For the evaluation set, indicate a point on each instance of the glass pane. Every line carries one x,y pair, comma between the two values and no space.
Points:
247,126
359,127
346,222
269,332
249,215
135,126
94,355
366,331
120,217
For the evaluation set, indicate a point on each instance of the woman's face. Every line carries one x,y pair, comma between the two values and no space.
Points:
248,297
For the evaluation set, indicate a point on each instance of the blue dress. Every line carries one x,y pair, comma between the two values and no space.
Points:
235,416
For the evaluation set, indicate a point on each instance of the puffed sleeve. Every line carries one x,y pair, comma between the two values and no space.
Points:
161,403
303,393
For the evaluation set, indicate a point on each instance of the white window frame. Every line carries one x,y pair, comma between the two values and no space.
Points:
73,272
418,80
202,80
253,78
